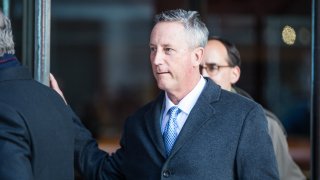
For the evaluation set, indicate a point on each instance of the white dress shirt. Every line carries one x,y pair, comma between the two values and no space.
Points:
185,105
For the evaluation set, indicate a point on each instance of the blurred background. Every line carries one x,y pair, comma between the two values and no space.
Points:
100,57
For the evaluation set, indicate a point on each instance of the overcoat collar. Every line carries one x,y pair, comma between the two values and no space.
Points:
202,111
14,73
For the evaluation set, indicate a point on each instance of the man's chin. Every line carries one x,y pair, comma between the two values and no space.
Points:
162,85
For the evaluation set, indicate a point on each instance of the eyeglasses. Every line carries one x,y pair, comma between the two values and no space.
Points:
212,68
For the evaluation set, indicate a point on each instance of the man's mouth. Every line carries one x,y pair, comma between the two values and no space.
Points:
162,72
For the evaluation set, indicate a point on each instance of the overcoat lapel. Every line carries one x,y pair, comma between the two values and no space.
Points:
199,115
152,120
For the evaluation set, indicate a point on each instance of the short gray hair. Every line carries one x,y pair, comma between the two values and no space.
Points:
6,37
192,23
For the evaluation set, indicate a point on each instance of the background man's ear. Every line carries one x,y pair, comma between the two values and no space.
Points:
235,74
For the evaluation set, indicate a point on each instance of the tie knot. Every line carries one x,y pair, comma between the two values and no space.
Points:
174,111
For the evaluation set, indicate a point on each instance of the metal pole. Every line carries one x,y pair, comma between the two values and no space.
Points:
28,34
6,7
315,93
42,41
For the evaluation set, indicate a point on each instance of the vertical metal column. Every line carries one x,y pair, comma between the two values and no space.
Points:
28,34
42,41
315,93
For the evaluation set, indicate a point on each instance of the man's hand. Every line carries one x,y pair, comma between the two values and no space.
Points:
55,86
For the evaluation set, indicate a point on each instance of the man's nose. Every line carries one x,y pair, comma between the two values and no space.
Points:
158,58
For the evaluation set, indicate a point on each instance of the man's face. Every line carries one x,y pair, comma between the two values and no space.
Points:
217,67
172,60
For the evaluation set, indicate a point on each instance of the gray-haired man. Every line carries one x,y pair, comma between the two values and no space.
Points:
208,143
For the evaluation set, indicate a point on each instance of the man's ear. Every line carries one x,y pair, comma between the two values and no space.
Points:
235,76
197,56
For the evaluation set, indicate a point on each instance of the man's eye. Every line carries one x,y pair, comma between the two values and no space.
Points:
153,49
168,50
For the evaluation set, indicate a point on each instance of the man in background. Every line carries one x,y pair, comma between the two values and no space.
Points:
221,63
36,127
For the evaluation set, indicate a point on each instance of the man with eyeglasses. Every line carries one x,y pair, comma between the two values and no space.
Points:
221,63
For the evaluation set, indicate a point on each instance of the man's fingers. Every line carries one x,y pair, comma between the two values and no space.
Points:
55,86
53,82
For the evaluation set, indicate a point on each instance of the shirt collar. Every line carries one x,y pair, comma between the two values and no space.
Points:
187,103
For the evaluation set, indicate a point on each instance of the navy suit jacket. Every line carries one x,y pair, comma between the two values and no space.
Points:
36,130
224,137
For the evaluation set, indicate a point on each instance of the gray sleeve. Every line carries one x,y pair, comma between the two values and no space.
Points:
288,169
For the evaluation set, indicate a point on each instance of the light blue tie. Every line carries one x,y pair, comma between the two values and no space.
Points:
170,131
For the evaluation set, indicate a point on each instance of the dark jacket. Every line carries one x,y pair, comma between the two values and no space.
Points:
36,130
225,137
